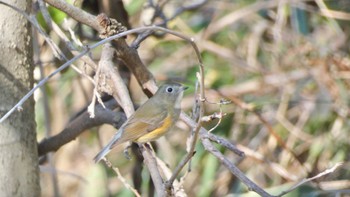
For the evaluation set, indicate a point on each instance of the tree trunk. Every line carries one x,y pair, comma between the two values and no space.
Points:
19,172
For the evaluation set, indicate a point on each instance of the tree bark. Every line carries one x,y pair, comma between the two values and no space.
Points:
19,172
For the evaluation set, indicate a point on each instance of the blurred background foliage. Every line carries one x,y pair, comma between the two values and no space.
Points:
286,63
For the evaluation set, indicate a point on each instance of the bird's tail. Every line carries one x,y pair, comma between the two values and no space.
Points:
107,148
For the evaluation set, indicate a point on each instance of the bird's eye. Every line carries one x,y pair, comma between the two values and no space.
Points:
169,89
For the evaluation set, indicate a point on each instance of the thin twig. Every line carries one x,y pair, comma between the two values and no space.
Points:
195,116
121,178
234,170
45,13
270,129
76,13
177,186
182,9
55,49
141,37
203,133
128,54
57,52
196,128
71,47
327,171
213,116
223,142
47,116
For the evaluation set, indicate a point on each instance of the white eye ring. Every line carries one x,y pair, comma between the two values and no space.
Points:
169,89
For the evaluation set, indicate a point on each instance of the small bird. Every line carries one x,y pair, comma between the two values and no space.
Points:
151,120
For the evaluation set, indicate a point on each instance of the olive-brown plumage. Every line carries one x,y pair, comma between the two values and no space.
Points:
151,120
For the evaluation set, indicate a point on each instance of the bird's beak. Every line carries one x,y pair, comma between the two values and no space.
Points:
184,88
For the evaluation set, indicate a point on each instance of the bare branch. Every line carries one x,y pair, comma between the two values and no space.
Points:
182,9
80,124
224,142
158,12
234,170
324,173
121,178
71,47
270,129
76,13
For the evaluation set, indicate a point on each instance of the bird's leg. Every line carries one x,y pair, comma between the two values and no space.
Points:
126,151
148,145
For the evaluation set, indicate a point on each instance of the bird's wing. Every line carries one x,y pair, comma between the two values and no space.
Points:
137,127
133,129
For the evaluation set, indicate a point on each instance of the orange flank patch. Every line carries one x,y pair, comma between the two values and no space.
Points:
156,133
